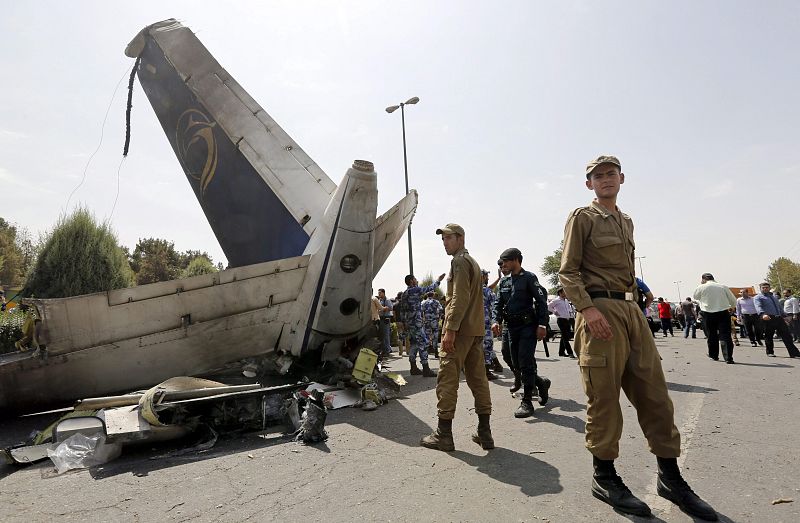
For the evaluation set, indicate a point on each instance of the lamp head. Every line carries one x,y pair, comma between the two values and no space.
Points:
392,108
412,101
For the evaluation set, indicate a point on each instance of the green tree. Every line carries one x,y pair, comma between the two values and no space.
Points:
79,256
199,265
783,273
551,266
187,257
427,280
155,260
11,258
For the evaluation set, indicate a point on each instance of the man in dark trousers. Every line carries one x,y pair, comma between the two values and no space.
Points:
615,348
715,302
563,310
771,312
522,305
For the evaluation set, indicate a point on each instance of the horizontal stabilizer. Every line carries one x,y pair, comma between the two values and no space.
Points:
390,228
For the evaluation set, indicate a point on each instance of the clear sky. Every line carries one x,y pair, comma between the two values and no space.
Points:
698,99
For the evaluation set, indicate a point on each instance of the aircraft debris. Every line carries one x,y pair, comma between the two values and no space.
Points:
302,252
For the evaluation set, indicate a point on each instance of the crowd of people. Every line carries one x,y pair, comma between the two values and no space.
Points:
723,318
600,301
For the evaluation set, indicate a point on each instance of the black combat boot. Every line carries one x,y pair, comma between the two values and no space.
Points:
543,385
414,369
525,409
496,365
489,374
672,486
427,372
608,487
517,382
483,436
441,438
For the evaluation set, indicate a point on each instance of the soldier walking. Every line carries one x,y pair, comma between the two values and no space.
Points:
489,357
415,329
462,346
615,348
431,314
522,305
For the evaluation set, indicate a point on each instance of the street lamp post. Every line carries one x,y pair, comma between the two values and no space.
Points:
641,271
391,109
678,283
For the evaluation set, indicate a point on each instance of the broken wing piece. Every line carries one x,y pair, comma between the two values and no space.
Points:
262,195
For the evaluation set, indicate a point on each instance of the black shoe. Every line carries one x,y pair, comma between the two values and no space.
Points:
771,355
679,492
517,382
496,366
753,344
730,362
610,489
544,387
759,343
713,358
525,409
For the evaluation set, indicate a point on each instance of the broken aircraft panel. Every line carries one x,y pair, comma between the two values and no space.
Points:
303,251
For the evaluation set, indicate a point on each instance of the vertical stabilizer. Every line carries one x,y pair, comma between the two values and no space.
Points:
261,193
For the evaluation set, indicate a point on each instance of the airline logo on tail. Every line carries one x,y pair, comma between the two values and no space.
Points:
196,146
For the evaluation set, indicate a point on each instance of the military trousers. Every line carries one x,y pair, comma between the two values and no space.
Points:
629,362
522,341
506,350
467,354
488,346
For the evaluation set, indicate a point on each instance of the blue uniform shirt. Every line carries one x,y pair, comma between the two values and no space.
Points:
519,294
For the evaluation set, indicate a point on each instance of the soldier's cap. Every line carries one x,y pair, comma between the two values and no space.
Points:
451,228
604,158
511,254
484,271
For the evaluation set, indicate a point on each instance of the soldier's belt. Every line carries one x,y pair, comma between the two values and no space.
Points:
614,295
520,319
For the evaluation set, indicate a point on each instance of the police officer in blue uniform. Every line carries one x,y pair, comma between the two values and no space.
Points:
522,305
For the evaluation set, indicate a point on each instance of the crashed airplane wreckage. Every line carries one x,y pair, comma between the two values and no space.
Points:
303,252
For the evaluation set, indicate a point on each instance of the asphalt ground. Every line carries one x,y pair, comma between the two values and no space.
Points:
738,423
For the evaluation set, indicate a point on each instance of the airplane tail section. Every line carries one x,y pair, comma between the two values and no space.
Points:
390,228
262,195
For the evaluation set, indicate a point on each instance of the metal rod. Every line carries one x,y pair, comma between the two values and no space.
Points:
405,167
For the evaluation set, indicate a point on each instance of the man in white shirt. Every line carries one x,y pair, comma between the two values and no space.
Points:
562,308
792,309
747,315
715,301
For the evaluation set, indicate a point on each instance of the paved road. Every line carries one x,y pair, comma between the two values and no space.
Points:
739,426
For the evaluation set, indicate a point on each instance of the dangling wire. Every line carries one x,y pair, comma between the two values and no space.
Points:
130,105
102,130
119,168
127,129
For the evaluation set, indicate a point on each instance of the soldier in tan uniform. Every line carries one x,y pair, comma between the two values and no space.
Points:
615,348
462,345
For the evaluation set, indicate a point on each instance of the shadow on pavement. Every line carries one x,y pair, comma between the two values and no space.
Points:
775,365
392,421
545,415
140,462
682,387
534,477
